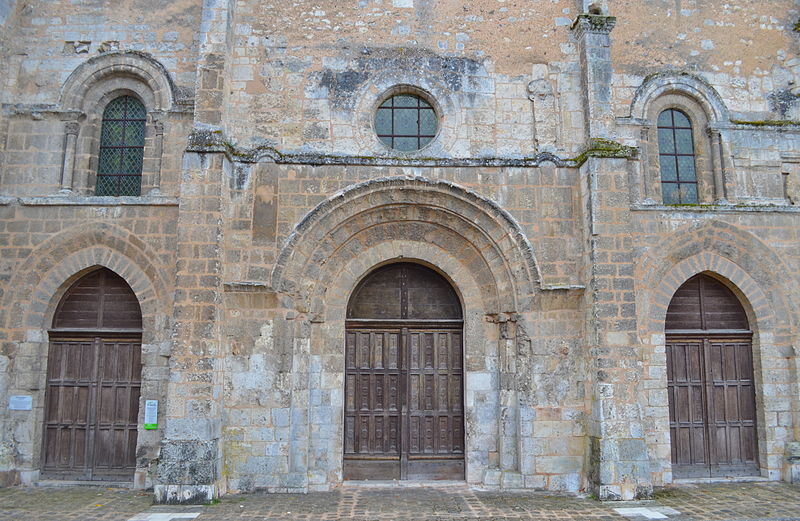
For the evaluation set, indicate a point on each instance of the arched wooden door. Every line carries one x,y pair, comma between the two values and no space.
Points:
710,382
404,380
93,380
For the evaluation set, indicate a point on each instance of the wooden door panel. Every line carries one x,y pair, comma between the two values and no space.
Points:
732,407
685,395
712,407
400,381
435,407
373,399
69,396
92,408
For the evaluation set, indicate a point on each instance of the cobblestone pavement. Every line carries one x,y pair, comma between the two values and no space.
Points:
730,501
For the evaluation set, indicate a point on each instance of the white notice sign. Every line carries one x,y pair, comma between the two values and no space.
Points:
20,403
151,414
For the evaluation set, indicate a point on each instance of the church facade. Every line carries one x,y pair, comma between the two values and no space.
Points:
524,245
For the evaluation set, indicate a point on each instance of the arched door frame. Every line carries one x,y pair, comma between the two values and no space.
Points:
93,381
711,384
416,353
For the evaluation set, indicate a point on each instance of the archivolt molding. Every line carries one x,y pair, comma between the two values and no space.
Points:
718,248
486,239
41,280
136,67
679,83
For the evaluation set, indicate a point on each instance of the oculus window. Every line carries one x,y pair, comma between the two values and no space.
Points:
676,158
406,122
119,170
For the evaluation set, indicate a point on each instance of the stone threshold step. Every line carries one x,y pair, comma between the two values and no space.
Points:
703,481
404,483
81,483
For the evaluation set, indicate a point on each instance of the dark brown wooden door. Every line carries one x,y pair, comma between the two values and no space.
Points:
710,383
404,413
93,381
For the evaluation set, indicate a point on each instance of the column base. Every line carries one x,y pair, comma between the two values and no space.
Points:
620,469
184,494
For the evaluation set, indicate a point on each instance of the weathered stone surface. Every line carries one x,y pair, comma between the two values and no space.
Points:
266,196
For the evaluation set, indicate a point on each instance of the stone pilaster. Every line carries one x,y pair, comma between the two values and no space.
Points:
593,35
214,36
190,464
619,464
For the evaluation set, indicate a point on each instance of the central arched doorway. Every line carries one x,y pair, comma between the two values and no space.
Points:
94,374
712,413
404,377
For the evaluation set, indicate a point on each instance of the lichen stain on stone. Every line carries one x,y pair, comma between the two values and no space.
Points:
343,86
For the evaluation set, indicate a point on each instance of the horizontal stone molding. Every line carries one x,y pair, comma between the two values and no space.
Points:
96,201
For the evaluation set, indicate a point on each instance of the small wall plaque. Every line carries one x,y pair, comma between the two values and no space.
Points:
151,415
20,403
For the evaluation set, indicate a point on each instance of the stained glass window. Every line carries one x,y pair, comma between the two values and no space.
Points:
676,158
119,170
406,122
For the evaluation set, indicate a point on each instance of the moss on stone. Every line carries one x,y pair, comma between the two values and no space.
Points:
606,148
767,122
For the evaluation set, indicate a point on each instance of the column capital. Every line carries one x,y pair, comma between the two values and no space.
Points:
593,24
71,127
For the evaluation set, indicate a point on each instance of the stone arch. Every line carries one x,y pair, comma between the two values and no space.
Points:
54,265
494,247
722,248
750,269
700,103
134,71
87,92
36,288
689,85
326,340
468,239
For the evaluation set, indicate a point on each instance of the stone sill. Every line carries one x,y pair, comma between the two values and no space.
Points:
75,200
717,208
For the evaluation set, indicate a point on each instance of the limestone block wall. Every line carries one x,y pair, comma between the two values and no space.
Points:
272,199
307,79
46,247
46,40
268,196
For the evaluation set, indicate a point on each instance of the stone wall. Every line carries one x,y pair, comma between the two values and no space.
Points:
267,196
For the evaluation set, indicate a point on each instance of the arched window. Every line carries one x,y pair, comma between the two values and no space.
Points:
676,156
119,170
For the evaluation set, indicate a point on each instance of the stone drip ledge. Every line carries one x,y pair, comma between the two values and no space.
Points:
717,208
89,200
213,140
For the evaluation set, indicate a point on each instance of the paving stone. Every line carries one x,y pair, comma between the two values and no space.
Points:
712,502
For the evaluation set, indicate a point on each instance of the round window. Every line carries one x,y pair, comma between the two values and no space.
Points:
406,122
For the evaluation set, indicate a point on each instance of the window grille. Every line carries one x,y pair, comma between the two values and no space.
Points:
406,122
676,158
119,170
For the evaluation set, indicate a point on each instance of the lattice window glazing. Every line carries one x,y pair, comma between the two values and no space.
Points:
406,122
676,158
119,170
